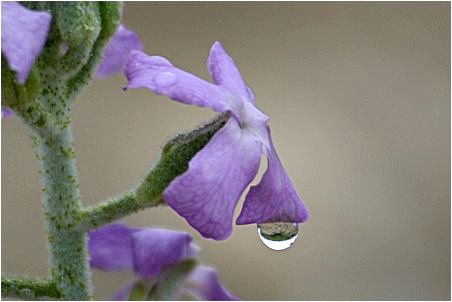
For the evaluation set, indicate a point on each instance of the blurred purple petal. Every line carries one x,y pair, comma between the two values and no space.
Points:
117,51
205,283
7,112
224,72
24,34
110,247
208,192
160,76
157,249
274,199
123,293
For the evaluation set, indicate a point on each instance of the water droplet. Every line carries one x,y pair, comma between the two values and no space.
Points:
278,236
165,79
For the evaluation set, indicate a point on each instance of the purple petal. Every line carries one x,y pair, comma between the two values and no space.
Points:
123,293
204,282
117,51
208,192
225,73
24,34
161,77
274,199
157,249
110,248
7,112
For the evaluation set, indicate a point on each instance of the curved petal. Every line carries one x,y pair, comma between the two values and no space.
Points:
24,34
110,248
225,73
161,77
274,199
117,51
7,112
204,282
123,293
208,192
157,249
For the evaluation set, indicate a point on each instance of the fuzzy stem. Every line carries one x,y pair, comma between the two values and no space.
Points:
111,210
67,245
29,289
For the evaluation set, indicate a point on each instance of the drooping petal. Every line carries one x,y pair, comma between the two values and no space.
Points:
157,249
274,199
7,112
225,73
24,33
160,76
110,247
118,50
205,283
207,193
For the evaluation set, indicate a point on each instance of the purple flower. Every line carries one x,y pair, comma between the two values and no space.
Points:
149,252
6,112
207,193
117,51
24,33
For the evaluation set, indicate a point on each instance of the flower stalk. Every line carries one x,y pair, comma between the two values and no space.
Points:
29,289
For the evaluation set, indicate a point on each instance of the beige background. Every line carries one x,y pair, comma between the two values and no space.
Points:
359,100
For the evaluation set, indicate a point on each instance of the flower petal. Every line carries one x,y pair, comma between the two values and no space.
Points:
123,293
117,51
208,192
161,77
110,247
7,112
225,73
157,249
274,199
24,34
204,282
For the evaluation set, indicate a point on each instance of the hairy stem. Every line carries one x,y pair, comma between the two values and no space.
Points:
29,289
67,245
111,210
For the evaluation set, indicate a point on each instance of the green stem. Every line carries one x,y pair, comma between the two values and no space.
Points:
29,289
67,245
111,210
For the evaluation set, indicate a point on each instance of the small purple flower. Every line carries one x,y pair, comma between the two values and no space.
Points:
6,112
149,252
24,34
117,51
207,193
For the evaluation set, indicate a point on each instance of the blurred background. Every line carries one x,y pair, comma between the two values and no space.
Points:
359,100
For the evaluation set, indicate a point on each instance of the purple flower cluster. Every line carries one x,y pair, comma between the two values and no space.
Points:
148,253
208,192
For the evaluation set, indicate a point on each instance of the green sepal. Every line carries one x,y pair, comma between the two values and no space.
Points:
15,94
171,281
176,155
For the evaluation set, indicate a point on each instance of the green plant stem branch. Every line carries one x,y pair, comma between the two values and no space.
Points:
174,160
29,289
111,210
